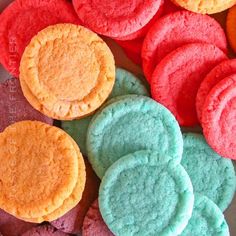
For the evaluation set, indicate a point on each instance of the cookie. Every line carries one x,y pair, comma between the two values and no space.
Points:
22,20
14,107
134,123
126,83
7,222
94,224
220,72
44,230
75,196
205,7
67,71
72,221
176,30
146,194
143,31
230,27
207,219
180,74
211,175
218,118
116,19
42,175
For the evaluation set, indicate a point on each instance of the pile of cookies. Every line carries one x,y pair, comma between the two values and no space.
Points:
117,160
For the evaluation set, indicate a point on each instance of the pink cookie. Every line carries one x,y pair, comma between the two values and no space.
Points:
11,226
177,77
44,230
116,19
220,72
14,107
175,30
94,224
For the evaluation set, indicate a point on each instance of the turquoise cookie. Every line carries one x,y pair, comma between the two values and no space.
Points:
211,175
144,194
131,124
126,83
207,219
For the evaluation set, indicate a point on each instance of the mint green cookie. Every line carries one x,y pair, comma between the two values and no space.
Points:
131,124
207,219
126,83
144,194
211,174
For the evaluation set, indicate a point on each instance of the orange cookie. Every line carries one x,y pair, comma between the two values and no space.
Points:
206,6
75,196
67,71
39,169
230,27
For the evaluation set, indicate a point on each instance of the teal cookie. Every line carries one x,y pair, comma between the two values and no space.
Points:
131,124
207,219
126,83
145,194
211,175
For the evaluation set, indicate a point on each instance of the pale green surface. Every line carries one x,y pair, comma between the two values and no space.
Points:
128,125
126,83
211,174
207,219
144,194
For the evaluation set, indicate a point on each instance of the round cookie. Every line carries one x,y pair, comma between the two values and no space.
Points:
230,27
116,19
180,74
218,118
42,175
94,224
134,123
67,71
22,20
7,222
176,30
220,72
14,107
44,230
75,196
72,221
205,7
207,219
211,175
125,83
146,194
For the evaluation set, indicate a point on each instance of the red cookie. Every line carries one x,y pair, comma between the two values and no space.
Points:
220,72
116,19
14,107
72,221
143,31
94,224
132,49
175,30
44,230
177,77
21,20
218,118
7,222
